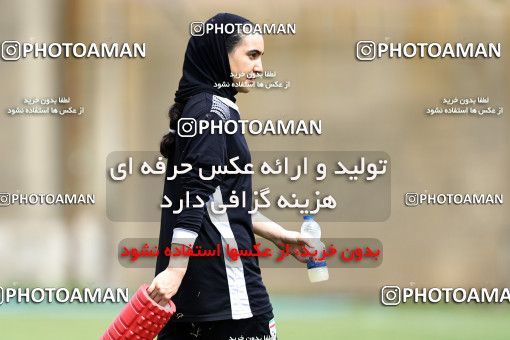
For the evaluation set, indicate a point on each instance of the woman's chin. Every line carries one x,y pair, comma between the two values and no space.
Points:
242,89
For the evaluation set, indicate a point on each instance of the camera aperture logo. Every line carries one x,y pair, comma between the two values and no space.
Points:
11,50
365,50
390,295
5,199
368,50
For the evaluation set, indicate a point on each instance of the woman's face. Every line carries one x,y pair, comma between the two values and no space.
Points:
246,58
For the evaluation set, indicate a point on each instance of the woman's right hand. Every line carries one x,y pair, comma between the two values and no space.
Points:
165,285
296,242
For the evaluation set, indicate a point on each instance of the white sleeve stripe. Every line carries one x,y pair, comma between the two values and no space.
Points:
184,236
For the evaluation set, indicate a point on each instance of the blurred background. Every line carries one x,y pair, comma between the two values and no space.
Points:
372,106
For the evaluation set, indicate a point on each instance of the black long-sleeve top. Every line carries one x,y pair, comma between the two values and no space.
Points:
213,288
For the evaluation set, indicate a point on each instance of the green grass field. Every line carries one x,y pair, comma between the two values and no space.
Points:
326,317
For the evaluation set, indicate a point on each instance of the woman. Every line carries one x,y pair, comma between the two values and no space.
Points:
216,298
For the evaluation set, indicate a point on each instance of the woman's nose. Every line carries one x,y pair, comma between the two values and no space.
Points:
258,67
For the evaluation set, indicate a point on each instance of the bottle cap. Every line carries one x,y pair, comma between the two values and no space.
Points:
308,217
316,264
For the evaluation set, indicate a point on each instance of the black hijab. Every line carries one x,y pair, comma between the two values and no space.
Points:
206,62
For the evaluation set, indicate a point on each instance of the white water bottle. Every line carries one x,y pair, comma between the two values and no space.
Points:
311,230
